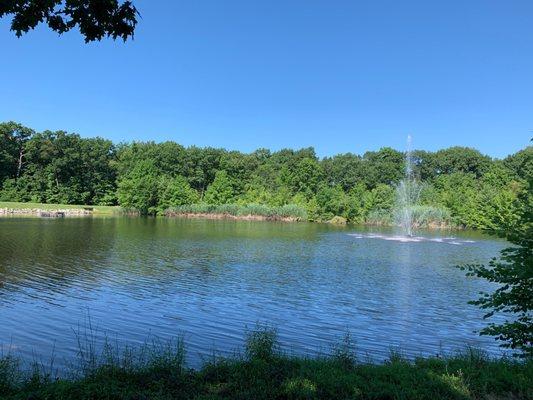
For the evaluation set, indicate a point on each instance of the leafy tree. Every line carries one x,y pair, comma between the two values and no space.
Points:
176,192
313,210
65,168
200,166
521,163
332,201
13,138
385,166
255,193
220,191
304,177
95,19
168,157
460,159
459,193
240,168
346,170
423,165
356,207
513,271
139,188
58,167
380,198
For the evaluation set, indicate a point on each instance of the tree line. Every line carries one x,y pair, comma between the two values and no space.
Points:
469,188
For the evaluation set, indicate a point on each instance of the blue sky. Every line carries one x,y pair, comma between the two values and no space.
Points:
337,75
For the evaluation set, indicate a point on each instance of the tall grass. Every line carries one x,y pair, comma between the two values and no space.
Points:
158,372
423,216
285,211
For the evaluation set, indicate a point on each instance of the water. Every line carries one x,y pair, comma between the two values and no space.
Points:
208,280
407,194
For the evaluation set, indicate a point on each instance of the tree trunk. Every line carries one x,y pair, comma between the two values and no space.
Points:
19,163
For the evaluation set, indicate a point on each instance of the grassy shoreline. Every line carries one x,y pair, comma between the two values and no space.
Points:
159,372
250,212
19,208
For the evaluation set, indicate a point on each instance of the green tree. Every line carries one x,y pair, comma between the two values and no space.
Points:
380,198
13,138
356,211
220,191
385,166
513,272
313,210
255,193
176,192
346,170
332,201
459,193
521,163
139,188
460,159
96,19
64,168
200,166
304,177
240,168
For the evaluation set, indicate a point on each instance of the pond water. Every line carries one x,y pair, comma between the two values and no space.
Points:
139,278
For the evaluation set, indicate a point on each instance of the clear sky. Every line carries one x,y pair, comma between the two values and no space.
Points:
339,75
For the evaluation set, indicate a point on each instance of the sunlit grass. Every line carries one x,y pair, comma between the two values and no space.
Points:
285,211
159,372
107,210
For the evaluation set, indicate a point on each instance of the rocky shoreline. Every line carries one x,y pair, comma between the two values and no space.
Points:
38,212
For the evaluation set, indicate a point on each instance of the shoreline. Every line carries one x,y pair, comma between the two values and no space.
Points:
263,371
42,210
52,213
13,209
226,216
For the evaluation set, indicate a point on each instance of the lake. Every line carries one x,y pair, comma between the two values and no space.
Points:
132,279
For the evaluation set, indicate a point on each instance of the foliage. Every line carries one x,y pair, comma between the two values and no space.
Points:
276,212
139,188
261,343
158,372
176,192
220,191
95,18
513,272
461,186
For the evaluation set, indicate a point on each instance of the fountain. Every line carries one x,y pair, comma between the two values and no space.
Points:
407,195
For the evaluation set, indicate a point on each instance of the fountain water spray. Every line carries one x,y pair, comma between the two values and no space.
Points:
407,194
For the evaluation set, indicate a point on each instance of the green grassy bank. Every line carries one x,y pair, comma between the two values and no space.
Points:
97,210
262,372
423,217
289,212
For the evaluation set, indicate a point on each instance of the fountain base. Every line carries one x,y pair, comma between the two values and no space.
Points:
411,238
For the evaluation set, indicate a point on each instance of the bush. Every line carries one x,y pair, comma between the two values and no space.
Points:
261,343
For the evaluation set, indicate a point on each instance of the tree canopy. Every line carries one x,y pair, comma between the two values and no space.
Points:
460,185
95,19
513,272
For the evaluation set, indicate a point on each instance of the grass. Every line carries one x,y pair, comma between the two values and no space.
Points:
286,211
423,217
97,210
263,372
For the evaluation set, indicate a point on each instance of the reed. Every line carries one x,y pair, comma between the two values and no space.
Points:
236,210
158,372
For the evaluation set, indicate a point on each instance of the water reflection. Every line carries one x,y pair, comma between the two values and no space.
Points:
209,279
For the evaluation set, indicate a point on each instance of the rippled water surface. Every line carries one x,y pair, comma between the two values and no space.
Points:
207,280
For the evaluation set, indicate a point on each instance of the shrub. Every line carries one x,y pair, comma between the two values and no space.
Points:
261,343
